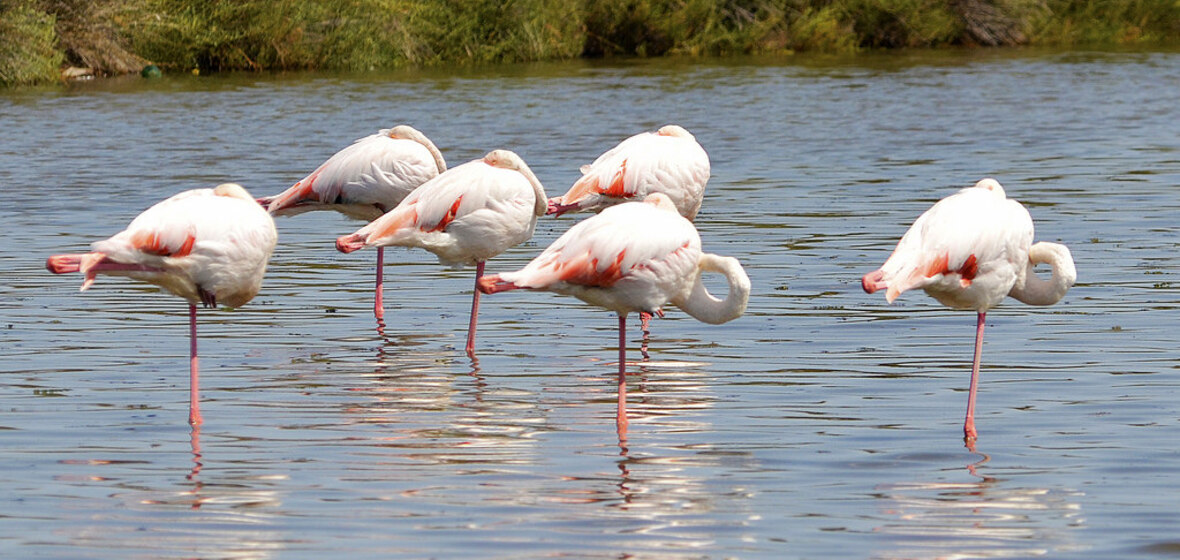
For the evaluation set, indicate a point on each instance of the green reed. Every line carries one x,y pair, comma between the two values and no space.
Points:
117,36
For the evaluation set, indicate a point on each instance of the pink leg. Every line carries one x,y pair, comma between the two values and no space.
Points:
969,423
474,311
379,301
194,392
621,415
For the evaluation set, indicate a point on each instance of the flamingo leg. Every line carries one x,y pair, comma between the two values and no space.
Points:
621,415
474,311
379,290
194,398
969,432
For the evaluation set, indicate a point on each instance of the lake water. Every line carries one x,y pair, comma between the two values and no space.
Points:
822,424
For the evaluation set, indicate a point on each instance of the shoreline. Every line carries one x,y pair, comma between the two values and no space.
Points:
46,41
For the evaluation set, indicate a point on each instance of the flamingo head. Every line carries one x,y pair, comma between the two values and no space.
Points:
991,185
661,201
675,130
405,132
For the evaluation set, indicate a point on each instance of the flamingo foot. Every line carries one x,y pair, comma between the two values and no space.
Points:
350,243
872,281
969,433
556,208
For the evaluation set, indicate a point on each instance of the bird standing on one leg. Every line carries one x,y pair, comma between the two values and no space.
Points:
969,251
639,257
466,215
208,246
363,181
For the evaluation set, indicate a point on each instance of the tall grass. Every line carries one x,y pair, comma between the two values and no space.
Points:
120,35
27,50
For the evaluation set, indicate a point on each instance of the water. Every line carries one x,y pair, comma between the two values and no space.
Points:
822,424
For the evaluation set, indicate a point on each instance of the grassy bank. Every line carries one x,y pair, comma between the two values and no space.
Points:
115,36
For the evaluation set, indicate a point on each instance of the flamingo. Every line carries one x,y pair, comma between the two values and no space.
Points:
363,181
968,251
668,161
637,256
208,246
464,216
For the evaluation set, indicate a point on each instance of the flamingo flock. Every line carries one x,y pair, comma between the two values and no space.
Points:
639,253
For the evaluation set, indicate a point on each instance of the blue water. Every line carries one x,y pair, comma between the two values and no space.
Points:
822,424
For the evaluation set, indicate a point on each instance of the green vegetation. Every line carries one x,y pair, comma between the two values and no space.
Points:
119,36
27,50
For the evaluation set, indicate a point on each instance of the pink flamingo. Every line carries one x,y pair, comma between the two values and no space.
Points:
208,246
637,256
363,181
466,215
668,161
969,251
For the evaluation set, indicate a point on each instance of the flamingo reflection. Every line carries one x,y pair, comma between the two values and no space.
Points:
985,518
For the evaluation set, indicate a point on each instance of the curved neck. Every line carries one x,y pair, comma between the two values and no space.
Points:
1037,291
438,157
542,203
703,306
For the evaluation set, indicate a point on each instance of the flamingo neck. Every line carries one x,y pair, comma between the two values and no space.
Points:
703,306
1037,291
542,202
435,153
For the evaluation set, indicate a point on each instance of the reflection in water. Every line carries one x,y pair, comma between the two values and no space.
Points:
195,442
988,518
236,515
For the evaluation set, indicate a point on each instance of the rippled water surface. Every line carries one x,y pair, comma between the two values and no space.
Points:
822,424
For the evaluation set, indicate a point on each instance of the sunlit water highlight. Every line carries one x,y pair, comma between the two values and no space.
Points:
823,424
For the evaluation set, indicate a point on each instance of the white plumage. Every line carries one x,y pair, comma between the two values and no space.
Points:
668,161
204,245
208,246
969,251
365,179
466,215
636,256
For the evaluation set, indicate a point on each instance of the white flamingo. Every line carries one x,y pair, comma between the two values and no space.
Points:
208,246
668,161
363,181
466,215
969,251
637,256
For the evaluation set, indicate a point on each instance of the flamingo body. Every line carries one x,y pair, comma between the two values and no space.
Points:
636,256
969,251
208,246
668,161
199,244
365,179
466,215
631,257
470,213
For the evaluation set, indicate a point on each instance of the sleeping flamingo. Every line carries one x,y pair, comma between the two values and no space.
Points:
637,256
208,246
668,161
363,181
968,251
466,215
